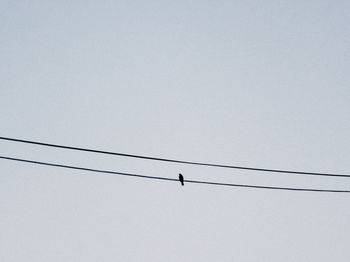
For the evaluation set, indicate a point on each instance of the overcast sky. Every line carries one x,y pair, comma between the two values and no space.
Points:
252,83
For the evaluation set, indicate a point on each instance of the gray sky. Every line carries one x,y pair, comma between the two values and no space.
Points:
256,83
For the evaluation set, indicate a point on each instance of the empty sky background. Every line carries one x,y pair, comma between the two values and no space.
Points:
255,83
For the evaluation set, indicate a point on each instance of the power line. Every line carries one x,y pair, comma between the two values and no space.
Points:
174,160
173,179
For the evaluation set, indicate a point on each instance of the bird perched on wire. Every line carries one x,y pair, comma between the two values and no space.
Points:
181,178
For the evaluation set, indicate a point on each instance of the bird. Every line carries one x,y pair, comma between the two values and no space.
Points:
181,178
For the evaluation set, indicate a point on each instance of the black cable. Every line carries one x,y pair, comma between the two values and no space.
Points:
173,179
173,160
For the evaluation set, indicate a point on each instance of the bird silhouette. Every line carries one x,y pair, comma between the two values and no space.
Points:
181,178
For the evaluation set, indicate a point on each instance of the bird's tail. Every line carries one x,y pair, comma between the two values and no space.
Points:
182,183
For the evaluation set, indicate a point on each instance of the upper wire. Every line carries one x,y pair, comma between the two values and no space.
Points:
174,160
